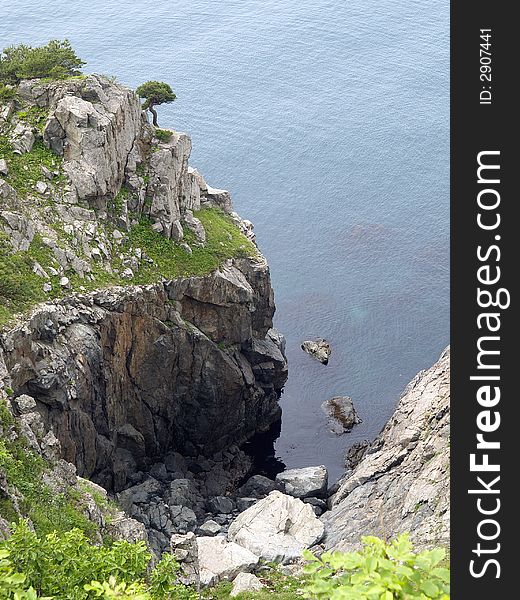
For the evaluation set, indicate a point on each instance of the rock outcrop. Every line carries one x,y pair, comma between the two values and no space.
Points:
401,482
277,528
149,383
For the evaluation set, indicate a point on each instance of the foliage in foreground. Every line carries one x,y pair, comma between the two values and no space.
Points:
55,60
379,571
68,566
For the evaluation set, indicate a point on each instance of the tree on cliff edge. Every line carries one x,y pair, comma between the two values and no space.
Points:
155,93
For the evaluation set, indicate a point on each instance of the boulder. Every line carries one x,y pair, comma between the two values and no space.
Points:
245,582
342,414
222,559
319,349
304,483
258,486
210,528
220,505
277,528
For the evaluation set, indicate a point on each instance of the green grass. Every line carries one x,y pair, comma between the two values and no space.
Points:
36,116
21,289
276,585
223,241
25,170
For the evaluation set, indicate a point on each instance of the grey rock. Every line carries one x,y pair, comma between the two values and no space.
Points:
245,503
319,349
220,505
304,483
4,169
245,582
24,404
402,480
220,559
258,486
342,414
277,528
184,548
210,528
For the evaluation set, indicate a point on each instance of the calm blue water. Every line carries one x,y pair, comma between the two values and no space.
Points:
328,122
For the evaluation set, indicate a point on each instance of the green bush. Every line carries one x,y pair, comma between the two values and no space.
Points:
67,566
55,60
379,571
163,135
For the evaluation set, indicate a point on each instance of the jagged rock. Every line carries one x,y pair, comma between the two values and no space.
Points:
221,559
122,527
342,414
139,493
319,349
258,486
183,492
245,503
277,528
402,481
319,505
245,582
195,226
22,138
4,169
355,453
184,548
304,483
220,505
209,528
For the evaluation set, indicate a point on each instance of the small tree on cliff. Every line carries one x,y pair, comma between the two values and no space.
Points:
155,93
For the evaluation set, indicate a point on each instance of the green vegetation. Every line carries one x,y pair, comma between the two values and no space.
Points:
163,135
21,288
379,571
223,241
23,470
154,94
36,116
55,60
25,170
67,566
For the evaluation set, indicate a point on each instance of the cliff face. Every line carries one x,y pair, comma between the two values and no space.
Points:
401,481
169,358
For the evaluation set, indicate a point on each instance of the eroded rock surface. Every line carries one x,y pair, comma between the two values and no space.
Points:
401,483
277,528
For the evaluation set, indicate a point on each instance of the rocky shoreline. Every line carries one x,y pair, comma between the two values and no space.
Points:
142,389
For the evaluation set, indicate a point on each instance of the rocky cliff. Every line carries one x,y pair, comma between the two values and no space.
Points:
400,482
136,308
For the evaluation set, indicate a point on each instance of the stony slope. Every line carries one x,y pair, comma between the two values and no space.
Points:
401,481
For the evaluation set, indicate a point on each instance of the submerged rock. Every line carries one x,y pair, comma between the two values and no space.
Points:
304,483
342,414
277,528
319,349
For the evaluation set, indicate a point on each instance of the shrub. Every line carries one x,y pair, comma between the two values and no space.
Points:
55,60
379,571
163,135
